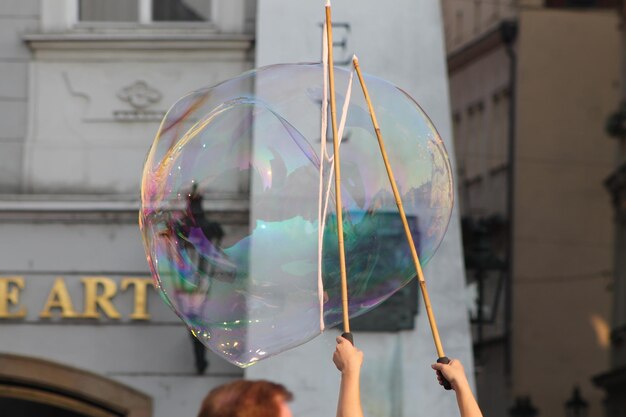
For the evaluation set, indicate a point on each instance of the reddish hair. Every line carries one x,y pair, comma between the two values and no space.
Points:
245,399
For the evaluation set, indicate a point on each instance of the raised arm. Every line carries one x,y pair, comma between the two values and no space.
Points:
455,374
348,360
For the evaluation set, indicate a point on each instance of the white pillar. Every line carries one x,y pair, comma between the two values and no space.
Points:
401,41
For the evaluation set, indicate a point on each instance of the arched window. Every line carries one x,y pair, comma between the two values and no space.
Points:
32,386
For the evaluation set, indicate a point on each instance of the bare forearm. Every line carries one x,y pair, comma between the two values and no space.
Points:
466,401
349,404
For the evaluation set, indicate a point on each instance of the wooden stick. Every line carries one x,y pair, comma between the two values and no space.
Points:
333,116
405,223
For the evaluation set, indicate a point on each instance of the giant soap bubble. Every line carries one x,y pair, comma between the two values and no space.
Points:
252,294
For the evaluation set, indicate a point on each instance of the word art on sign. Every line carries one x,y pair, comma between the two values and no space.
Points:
98,294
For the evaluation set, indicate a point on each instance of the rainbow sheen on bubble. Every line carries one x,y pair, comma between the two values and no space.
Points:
273,283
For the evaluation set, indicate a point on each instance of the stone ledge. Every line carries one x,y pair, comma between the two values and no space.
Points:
54,202
42,209
139,41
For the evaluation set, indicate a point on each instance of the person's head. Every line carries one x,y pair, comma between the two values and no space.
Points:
247,399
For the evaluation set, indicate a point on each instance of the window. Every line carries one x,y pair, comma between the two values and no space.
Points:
500,124
182,19
474,148
458,36
495,12
145,11
36,387
478,7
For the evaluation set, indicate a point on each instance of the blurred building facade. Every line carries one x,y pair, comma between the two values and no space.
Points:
531,85
85,85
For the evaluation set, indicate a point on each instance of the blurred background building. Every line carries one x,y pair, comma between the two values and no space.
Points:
532,84
84,86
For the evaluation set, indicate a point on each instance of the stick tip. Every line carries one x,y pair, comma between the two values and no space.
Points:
327,3
355,59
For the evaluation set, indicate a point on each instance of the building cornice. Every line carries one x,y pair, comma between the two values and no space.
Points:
482,45
104,208
139,41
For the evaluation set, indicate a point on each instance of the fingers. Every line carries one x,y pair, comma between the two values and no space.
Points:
437,366
451,373
344,344
341,339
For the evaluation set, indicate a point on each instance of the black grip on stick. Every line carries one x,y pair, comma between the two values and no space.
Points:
348,337
446,384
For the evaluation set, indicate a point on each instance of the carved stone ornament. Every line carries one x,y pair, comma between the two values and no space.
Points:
139,95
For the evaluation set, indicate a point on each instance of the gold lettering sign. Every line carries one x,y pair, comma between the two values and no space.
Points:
141,296
98,295
93,300
10,295
59,298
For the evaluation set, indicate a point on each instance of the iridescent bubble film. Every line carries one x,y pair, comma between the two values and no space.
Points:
272,284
